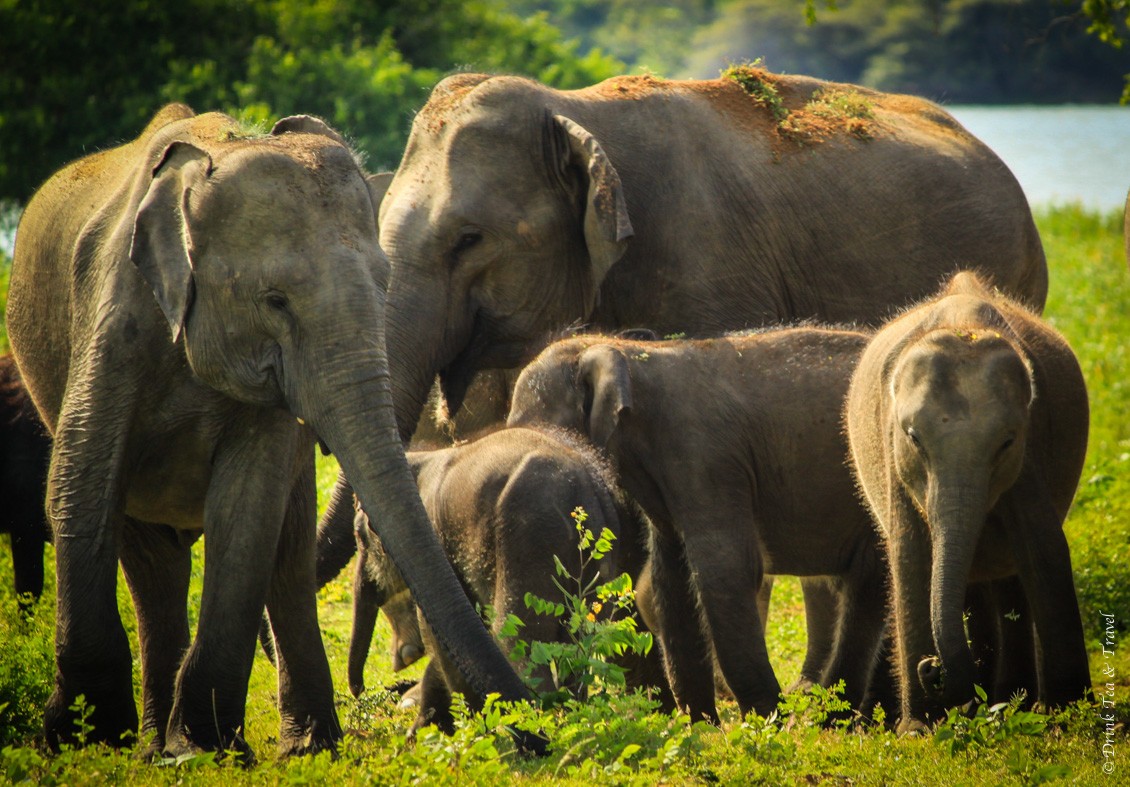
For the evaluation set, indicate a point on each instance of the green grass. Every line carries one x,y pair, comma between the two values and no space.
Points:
1089,303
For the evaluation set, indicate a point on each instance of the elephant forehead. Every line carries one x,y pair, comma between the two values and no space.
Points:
269,180
272,203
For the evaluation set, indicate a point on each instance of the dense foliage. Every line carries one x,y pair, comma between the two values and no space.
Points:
969,51
81,76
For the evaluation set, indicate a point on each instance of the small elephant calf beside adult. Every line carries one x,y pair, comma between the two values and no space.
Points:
501,506
967,419
734,449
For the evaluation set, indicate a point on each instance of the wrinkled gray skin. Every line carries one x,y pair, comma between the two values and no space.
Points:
968,427
501,506
518,210
179,306
734,450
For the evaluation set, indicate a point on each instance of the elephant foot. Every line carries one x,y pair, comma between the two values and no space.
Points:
410,696
529,744
309,738
912,727
179,744
801,685
440,718
95,716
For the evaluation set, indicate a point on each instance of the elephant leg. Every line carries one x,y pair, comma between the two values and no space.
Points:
821,612
366,604
435,699
726,568
982,624
646,671
676,620
336,542
1043,562
538,628
883,687
764,596
27,563
1016,661
307,715
92,653
859,633
247,500
157,563
910,557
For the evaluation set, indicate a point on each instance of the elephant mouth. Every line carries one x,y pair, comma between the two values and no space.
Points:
482,352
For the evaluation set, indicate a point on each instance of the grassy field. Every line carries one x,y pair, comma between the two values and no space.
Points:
615,738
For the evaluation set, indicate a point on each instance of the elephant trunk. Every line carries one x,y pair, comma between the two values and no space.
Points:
351,410
957,514
415,335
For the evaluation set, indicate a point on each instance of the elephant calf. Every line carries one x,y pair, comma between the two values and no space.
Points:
733,448
25,450
967,420
501,506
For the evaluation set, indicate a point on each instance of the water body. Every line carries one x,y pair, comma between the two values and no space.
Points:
1060,154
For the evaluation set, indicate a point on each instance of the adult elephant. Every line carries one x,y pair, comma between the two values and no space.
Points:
689,207
191,312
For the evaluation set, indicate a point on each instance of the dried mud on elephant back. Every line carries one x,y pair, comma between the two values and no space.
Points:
802,113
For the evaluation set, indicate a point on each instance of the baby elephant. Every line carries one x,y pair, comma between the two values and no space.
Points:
734,449
502,507
967,420
25,451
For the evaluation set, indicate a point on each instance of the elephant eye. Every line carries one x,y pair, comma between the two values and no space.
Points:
1007,444
467,240
276,301
913,437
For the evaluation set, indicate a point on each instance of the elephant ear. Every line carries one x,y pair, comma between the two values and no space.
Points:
603,372
606,222
307,124
161,237
378,186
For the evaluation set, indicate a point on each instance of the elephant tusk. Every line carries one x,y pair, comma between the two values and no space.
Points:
301,422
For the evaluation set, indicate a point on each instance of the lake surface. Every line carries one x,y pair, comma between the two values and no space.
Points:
1060,154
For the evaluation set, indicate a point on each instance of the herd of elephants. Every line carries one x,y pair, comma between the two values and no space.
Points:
745,350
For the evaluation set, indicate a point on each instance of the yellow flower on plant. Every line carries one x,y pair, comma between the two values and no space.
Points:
591,617
597,606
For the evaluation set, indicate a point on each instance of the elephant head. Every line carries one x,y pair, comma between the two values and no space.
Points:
960,409
265,262
500,224
575,386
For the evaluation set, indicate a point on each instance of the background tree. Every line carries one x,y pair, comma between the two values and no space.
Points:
81,76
